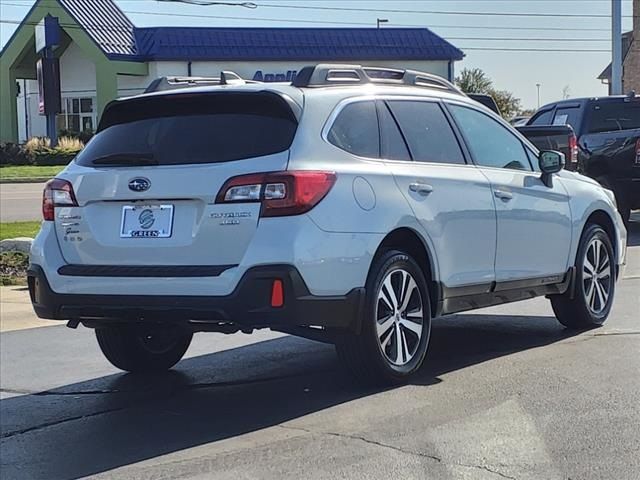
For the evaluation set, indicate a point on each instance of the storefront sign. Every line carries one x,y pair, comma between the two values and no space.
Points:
48,72
47,33
289,76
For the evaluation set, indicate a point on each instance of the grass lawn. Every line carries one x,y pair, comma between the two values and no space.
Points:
19,229
11,172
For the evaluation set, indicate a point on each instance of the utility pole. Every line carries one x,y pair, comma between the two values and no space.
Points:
538,87
380,21
616,47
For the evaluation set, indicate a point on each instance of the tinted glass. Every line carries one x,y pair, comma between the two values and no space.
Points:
355,130
190,129
393,146
542,118
427,131
490,142
567,116
610,116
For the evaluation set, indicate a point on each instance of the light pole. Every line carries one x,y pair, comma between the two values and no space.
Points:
616,47
538,87
380,21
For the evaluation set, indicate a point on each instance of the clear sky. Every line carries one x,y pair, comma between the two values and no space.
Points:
517,71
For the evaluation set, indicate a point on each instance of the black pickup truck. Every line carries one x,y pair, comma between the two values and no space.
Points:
607,130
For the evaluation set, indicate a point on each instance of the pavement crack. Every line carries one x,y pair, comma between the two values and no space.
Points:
364,439
487,469
397,449
58,422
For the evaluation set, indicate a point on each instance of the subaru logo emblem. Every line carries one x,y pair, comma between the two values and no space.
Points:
139,184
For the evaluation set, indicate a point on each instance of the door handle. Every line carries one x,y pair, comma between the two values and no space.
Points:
503,195
421,188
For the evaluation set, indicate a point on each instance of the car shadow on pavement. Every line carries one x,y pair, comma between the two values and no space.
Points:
109,422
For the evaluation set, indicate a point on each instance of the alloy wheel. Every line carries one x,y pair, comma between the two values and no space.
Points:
596,276
399,317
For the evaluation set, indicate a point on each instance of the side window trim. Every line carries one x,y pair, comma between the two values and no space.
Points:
380,104
446,104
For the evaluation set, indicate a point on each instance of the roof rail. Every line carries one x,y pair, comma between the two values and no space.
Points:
323,75
172,83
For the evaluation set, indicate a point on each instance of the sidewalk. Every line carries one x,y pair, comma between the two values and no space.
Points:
16,312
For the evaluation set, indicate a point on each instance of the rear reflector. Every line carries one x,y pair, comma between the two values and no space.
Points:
281,193
277,294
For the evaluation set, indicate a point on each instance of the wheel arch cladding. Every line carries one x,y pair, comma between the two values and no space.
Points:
408,241
602,218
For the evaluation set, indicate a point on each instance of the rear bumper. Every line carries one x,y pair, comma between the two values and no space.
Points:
248,306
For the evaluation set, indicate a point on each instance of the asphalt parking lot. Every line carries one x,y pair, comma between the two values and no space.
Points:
506,393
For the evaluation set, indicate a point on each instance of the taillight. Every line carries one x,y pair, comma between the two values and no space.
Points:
57,193
638,152
281,193
573,148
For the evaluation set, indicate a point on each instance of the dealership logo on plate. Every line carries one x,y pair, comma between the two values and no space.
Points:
146,219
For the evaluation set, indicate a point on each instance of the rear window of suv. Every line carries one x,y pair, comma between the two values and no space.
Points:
191,129
611,116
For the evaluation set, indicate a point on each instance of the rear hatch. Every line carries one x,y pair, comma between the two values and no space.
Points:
146,184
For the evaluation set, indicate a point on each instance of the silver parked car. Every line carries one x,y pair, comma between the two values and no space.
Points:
351,206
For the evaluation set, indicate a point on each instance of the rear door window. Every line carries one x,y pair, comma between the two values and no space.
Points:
542,118
567,116
355,130
427,131
611,116
191,129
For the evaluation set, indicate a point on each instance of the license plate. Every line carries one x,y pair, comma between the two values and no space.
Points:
146,221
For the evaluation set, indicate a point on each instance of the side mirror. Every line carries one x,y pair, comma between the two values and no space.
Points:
550,162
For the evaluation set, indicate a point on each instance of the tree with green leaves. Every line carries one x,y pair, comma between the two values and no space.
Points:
476,81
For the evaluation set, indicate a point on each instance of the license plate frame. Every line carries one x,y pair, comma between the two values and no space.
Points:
130,217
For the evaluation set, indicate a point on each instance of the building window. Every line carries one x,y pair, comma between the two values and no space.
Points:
77,115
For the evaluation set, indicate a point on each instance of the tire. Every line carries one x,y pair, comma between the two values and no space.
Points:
587,309
143,349
383,360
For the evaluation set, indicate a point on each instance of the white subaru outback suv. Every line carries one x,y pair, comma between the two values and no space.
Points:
351,206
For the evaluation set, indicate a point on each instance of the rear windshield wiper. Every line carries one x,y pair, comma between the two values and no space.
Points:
133,159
